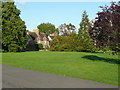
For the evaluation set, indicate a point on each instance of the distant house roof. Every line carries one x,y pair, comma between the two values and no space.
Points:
33,35
54,34
43,36
40,36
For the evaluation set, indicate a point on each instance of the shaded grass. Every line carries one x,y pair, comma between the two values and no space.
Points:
72,64
96,58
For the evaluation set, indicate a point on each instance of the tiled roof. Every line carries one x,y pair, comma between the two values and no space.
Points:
43,35
33,35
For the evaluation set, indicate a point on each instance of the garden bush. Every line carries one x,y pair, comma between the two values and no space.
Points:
40,46
72,43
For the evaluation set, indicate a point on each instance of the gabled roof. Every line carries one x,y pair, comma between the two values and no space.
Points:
33,35
43,36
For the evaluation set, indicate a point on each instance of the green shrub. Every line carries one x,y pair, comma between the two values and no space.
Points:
72,43
105,49
40,46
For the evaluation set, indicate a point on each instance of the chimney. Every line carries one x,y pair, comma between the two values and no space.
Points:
36,31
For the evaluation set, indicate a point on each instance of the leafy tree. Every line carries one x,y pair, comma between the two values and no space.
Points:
106,30
67,29
72,41
61,43
70,28
48,28
13,28
63,29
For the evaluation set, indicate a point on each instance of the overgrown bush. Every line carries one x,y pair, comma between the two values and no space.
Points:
72,43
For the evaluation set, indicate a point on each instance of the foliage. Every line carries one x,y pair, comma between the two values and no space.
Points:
85,43
13,28
66,30
57,43
48,28
0,27
71,43
106,30
40,46
85,25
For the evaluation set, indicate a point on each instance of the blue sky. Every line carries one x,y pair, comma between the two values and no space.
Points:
35,13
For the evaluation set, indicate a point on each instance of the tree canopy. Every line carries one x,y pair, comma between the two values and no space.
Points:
48,28
106,30
13,28
0,26
67,29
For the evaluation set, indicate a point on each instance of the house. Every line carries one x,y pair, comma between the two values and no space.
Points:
31,42
33,36
41,37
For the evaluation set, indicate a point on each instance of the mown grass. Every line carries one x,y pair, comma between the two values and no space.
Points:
100,67
0,58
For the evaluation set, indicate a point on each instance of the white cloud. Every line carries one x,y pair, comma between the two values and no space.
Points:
21,2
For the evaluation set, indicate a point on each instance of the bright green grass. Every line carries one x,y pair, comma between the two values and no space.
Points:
70,64
0,58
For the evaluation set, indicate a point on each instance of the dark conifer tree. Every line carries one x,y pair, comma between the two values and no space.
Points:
0,27
13,28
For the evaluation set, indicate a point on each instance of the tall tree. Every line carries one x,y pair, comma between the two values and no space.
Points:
48,28
84,39
14,34
0,26
85,25
106,28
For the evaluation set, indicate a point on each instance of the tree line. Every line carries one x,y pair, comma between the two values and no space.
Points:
71,41
102,34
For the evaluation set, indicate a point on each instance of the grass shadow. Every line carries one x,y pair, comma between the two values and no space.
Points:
96,58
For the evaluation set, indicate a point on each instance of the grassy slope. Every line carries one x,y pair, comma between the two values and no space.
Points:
67,63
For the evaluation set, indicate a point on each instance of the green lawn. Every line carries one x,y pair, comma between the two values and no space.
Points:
98,67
